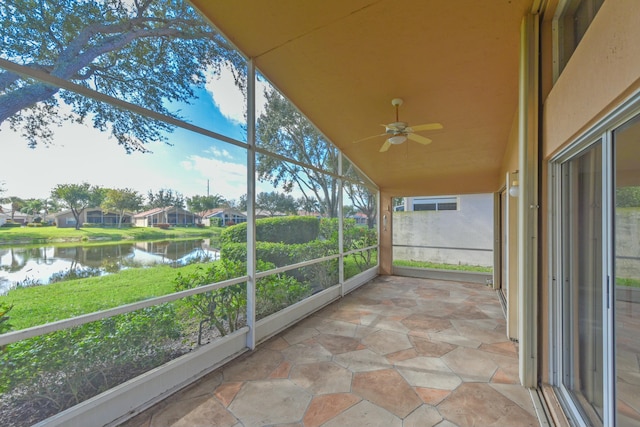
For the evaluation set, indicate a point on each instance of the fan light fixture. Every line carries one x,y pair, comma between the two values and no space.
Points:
397,139
398,132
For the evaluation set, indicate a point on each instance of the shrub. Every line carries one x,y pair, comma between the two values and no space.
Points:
34,224
329,228
277,291
5,326
280,255
10,224
221,308
63,368
162,225
224,308
288,229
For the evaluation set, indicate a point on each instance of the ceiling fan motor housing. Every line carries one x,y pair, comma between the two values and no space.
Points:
396,127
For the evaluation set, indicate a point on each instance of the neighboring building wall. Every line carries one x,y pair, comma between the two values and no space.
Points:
627,244
463,236
66,220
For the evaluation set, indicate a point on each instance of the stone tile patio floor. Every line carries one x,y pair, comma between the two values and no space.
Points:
396,352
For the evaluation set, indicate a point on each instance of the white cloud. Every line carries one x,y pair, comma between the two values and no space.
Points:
229,99
225,178
220,152
84,154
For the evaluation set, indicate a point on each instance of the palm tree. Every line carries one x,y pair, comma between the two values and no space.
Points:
16,204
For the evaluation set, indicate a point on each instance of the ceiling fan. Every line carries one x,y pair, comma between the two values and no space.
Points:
398,132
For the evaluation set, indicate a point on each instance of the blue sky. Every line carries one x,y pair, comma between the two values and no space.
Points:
80,153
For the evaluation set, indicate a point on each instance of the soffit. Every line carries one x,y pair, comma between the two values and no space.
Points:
341,62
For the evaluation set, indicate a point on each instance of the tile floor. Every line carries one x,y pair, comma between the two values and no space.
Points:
397,352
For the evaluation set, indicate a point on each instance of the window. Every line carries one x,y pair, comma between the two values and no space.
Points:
570,25
435,204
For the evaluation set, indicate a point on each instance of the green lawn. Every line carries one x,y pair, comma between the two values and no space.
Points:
631,283
456,267
27,235
38,305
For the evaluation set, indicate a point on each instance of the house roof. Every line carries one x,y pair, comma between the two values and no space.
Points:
213,212
155,211
342,62
68,211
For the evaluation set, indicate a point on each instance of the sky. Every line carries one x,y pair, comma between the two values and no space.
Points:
81,153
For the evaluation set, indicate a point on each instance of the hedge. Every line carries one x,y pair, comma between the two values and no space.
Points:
281,254
288,229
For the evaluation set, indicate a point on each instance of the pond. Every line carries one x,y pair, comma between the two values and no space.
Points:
30,266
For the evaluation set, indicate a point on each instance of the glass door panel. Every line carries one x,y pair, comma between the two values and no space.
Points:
627,273
582,296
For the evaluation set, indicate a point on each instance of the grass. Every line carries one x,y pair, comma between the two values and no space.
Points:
32,235
38,305
455,267
631,283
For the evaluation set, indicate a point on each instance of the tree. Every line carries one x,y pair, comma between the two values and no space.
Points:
281,129
16,204
33,206
627,197
76,197
363,200
274,203
241,205
203,203
149,52
349,211
51,205
121,200
165,198
309,206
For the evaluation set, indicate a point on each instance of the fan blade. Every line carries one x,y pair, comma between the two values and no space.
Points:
428,126
370,137
385,146
419,139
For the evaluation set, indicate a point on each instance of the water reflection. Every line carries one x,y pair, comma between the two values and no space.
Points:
29,266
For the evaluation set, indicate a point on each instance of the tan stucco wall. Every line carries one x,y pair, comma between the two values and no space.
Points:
603,70
386,234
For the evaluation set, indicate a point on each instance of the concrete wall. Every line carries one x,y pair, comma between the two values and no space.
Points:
627,243
464,236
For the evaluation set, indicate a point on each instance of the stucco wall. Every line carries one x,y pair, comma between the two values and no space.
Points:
464,236
603,70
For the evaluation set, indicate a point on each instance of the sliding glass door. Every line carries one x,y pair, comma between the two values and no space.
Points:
597,272
582,321
626,145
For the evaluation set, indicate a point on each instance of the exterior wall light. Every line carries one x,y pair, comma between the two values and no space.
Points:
514,190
